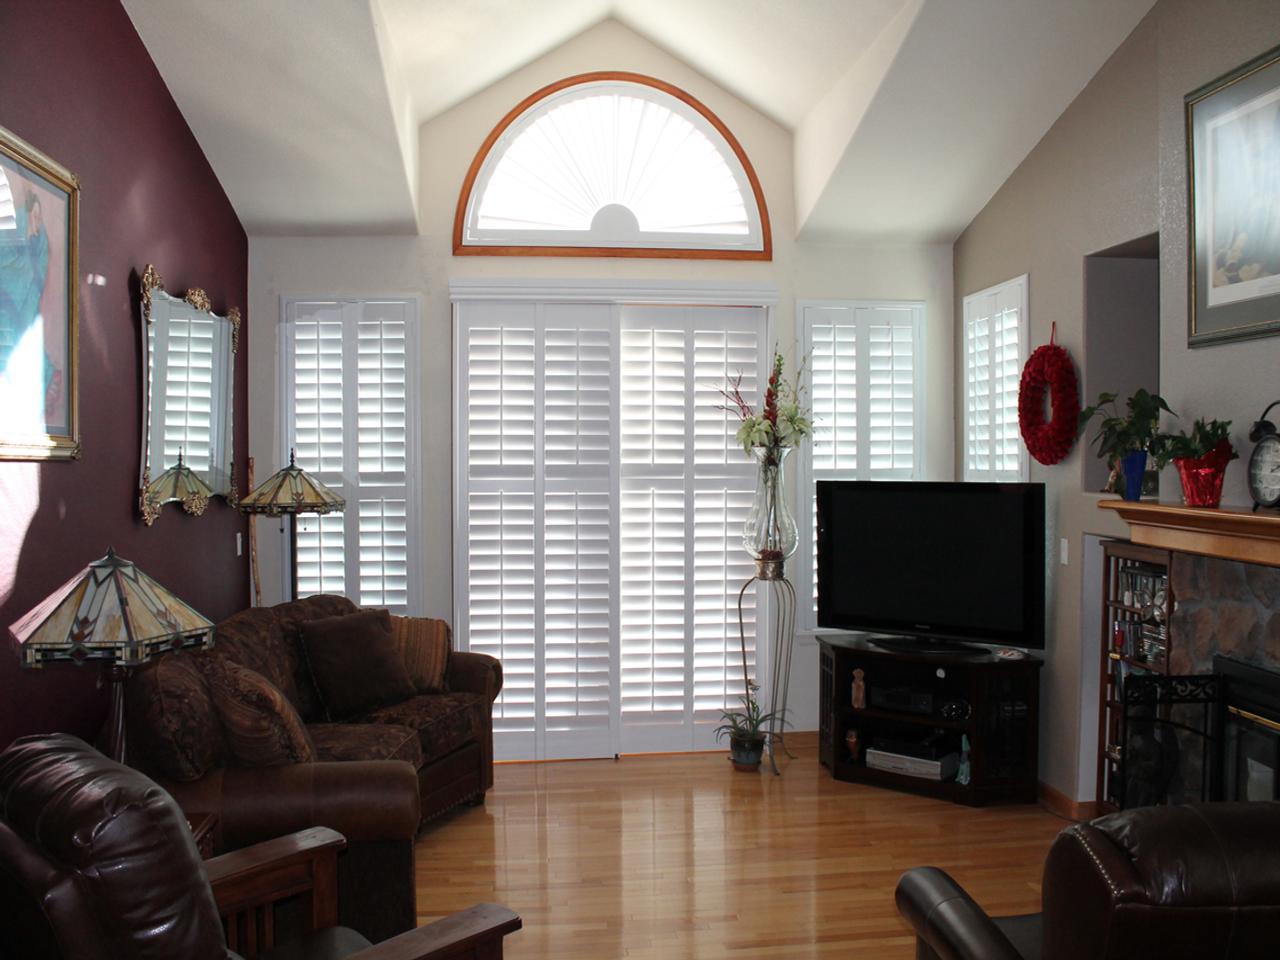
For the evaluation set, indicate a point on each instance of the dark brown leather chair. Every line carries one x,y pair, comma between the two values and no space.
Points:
1165,883
98,863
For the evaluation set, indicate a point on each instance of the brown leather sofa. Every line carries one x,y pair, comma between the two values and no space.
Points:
98,863
375,781
1153,883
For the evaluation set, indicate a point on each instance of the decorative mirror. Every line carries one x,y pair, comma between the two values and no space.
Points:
188,368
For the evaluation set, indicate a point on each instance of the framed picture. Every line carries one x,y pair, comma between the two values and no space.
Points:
39,221
1233,174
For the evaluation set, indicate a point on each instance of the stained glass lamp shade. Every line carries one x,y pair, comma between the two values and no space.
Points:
109,611
114,613
179,483
291,490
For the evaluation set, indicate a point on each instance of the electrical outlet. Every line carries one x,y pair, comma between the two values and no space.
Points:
239,544
1062,551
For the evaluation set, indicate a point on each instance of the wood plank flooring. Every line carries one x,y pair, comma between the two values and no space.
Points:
682,857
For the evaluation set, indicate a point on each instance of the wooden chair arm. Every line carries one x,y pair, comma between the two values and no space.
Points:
247,882
473,933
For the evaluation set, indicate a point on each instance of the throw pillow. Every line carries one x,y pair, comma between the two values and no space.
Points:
262,727
355,662
424,644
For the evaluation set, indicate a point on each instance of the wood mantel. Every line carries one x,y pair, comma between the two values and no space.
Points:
1233,533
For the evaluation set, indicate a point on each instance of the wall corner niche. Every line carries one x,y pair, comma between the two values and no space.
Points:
188,375
1121,334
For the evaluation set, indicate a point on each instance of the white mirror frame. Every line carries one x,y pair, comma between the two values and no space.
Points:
158,308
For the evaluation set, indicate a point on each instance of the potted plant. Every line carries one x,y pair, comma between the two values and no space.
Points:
745,730
1201,458
1126,440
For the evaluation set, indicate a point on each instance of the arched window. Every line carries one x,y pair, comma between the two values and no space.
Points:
612,165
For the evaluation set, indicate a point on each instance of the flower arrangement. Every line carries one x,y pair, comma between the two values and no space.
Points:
783,422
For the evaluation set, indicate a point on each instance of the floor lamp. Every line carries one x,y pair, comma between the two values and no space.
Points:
291,491
113,613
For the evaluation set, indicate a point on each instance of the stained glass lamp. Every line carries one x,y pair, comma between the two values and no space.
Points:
291,490
179,483
114,613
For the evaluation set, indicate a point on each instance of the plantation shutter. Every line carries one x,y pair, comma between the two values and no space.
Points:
601,498
185,366
995,347
348,365
865,387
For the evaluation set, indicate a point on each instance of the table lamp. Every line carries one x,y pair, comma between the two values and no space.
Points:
111,612
291,490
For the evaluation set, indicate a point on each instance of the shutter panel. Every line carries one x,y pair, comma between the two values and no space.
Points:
866,385
994,348
602,495
501,612
188,420
350,373
889,335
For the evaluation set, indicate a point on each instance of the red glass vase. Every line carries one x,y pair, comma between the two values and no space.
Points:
1201,482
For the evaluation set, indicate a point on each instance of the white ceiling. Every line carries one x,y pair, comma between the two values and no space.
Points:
908,114
776,55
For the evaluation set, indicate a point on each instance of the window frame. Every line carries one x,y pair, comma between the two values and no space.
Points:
416,545
1023,473
472,183
806,619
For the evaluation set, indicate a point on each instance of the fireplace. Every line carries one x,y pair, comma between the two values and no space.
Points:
1250,742
1203,737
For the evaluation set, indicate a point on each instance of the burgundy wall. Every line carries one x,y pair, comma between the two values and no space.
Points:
77,83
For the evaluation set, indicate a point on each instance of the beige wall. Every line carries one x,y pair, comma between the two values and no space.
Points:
1109,170
424,266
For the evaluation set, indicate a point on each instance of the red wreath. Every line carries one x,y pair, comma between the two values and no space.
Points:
1049,368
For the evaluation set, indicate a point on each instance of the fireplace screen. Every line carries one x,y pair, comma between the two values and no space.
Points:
1251,731
1169,741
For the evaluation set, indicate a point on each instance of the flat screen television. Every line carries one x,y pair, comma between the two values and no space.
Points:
935,562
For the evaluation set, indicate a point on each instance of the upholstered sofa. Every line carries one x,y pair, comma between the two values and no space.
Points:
374,778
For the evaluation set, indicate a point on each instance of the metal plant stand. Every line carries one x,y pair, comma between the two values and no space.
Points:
784,636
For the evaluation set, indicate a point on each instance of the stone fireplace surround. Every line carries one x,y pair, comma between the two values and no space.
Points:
1223,607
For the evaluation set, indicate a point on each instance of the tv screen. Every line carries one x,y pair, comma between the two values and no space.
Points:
958,561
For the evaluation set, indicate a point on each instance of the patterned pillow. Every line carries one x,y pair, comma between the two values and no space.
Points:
262,727
174,731
424,644
356,663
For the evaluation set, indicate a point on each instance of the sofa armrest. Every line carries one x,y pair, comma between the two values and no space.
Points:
946,919
475,932
475,673
364,800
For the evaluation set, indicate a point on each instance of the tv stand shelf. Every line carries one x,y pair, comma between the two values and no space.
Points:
1001,726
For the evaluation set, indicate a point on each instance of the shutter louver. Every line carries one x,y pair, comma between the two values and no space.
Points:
321,557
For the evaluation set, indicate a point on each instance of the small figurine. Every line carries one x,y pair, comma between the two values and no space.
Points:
859,690
855,747
962,774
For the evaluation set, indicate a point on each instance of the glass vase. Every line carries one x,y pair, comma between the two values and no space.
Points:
770,534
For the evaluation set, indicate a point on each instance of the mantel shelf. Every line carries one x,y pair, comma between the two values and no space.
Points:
1234,533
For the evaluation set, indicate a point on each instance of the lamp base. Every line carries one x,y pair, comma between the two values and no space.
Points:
113,732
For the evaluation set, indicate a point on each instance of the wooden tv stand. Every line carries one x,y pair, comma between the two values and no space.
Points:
1002,723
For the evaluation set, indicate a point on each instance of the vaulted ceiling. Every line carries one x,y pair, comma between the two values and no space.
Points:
907,115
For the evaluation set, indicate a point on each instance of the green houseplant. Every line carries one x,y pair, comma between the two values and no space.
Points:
1126,440
745,730
1201,458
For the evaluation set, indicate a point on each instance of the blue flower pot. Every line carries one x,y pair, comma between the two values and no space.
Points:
1134,467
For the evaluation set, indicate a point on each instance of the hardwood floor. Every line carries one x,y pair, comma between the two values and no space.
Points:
681,857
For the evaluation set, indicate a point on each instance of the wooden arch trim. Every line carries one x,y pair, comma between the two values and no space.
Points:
506,250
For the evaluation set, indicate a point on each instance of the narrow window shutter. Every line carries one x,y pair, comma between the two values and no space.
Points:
188,423
994,348
865,381
350,374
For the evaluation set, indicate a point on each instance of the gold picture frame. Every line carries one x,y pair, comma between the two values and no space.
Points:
39,305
